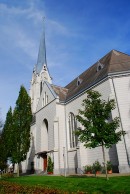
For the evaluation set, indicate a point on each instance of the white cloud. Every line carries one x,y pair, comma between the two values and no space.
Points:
18,38
26,43
31,11
18,33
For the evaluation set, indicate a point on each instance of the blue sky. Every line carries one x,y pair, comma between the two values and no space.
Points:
78,33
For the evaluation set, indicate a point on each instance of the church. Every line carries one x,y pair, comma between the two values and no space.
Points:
54,109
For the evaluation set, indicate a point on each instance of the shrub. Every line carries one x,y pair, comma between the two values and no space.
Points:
96,166
87,168
109,165
50,165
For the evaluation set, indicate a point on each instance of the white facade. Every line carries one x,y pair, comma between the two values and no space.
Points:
50,129
50,132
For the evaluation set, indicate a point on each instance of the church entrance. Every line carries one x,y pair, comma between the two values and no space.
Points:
44,162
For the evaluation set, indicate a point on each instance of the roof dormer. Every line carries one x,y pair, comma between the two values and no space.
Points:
79,81
99,66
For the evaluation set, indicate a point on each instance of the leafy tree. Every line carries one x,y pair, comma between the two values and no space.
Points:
99,127
22,117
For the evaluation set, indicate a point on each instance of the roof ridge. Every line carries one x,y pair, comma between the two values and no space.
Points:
121,52
111,53
90,67
91,76
58,86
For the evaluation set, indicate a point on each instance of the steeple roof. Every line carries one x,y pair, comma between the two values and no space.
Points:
41,61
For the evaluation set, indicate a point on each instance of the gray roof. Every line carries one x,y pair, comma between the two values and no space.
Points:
113,62
60,91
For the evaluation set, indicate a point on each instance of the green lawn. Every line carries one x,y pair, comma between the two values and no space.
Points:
73,184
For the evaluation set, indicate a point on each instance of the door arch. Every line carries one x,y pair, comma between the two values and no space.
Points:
44,135
44,143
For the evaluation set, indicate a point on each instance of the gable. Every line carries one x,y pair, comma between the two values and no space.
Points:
47,95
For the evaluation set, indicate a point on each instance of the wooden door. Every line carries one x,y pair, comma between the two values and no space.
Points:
44,163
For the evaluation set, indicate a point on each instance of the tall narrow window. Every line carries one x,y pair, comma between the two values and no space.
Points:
43,102
40,87
47,99
72,129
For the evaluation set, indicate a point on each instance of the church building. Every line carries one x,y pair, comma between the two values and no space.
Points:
54,109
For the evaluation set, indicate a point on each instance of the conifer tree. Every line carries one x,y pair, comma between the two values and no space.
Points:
22,117
1,124
99,127
3,155
7,133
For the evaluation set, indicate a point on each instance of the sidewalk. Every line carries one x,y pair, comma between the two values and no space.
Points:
103,175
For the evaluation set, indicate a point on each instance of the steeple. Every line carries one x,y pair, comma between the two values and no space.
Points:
40,74
41,61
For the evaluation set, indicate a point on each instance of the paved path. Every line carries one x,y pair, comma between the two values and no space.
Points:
81,175
104,175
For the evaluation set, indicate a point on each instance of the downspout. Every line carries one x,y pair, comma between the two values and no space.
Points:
120,122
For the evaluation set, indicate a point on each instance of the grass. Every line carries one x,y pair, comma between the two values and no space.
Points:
73,184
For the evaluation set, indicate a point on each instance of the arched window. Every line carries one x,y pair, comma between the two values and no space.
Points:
72,129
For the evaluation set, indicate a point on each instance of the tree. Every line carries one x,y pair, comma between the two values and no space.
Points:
22,117
7,133
3,155
7,138
1,124
99,127
50,165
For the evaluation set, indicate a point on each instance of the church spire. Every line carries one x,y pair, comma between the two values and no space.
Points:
41,61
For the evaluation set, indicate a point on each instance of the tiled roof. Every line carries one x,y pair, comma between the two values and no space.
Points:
113,62
60,91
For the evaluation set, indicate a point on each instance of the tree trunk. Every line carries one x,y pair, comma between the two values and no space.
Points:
104,158
17,169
